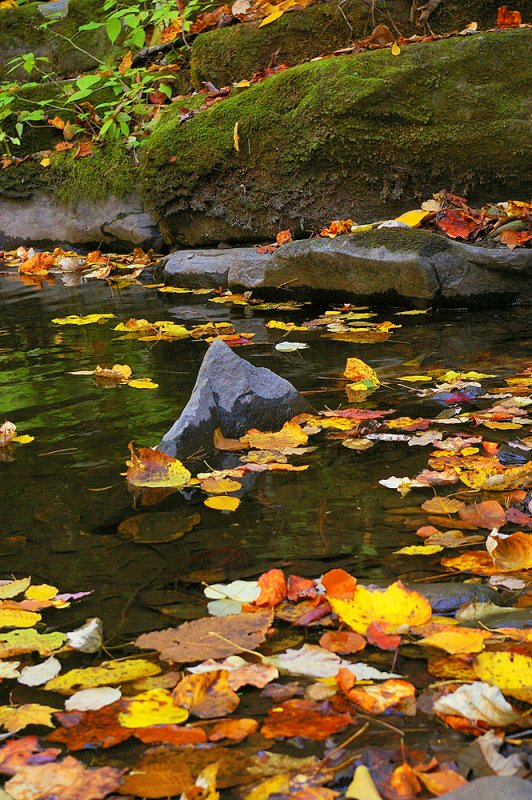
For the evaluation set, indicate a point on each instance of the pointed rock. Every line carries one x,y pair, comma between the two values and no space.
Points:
231,394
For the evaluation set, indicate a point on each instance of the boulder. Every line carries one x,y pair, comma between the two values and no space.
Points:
231,394
388,266
493,788
119,223
228,55
359,136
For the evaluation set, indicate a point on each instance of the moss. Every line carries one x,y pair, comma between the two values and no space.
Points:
20,183
350,136
21,33
110,171
227,55
403,240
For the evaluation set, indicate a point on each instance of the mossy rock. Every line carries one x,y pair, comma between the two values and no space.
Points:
361,136
20,32
231,54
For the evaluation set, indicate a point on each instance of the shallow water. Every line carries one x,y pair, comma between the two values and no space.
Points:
63,496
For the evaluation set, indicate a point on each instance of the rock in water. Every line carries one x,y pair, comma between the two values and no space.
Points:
233,395
493,788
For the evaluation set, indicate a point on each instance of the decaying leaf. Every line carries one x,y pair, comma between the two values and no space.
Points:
304,718
478,701
207,695
510,552
108,673
209,637
153,468
64,780
154,707
511,672
14,718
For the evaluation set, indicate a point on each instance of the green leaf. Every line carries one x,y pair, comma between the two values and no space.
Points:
165,89
91,26
113,27
86,81
138,37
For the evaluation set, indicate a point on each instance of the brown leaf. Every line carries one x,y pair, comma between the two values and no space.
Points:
206,695
510,552
273,588
394,693
234,729
17,753
171,734
304,718
342,642
196,640
81,729
442,505
507,18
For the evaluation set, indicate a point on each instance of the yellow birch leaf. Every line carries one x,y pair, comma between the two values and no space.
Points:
143,383
415,378
42,591
24,438
74,319
442,505
395,609
395,52
14,718
222,503
220,485
511,672
290,435
362,786
419,550
412,218
17,618
107,674
236,140
45,162
275,14
154,707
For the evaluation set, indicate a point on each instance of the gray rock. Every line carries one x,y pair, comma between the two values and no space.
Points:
493,788
117,222
447,597
233,395
391,266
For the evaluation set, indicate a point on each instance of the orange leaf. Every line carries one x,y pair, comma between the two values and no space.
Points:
297,587
510,553
442,782
273,588
476,561
283,237
56,122
457,224
39,264
84,150
339,583
233,729
376,699
376,636
336,227
304,718
206,695
487,514
507,18
170,734
342,642
442,505
404,782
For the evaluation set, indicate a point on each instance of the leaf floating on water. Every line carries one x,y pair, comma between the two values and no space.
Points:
510,552
28,641
362,786
152,468
419,550
442,505
478,701
143,383
74,319
207,695
198,640
14,718
93,699
395,609
65,780
110,672
222,503
154,707
304,718
18,618
40,673
510,672
8,430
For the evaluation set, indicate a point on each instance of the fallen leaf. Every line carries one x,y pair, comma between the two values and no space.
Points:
153,468
197,640
272,585
304,718
236,138
507,18
99,728
14,718
74,319
509,552
342,642
478,701
39,264
207,695
362,786
234,729
7,432
40,673
442,505
107,673
143,383
339,584
360,372
510,672
419,550
28,641
222,503
442,781
219,485
457,640
171,734
395,694
64,780
16,753
290,435
93,699
486,514
395,49
395,609
154,707
18,618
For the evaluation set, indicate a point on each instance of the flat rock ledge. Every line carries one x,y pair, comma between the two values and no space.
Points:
118,223
389,266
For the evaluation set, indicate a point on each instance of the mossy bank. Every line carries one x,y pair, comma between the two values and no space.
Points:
359,136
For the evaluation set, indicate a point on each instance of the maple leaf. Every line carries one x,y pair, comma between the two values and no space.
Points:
395,609
206,696
63,780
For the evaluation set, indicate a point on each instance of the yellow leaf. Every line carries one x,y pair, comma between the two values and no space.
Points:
442,505
14,718
18,618
285,326
74,319
415,378
362,786
45,162
222,503
412,312
174,290
236,140
419,550
458,640
395,52
107,674
153,468
11,589
276,13
220,485
118,372
412,218
395,609
511,672
23,439
154,707
42,591
290,435
27,641
143,383
359,371
502,426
